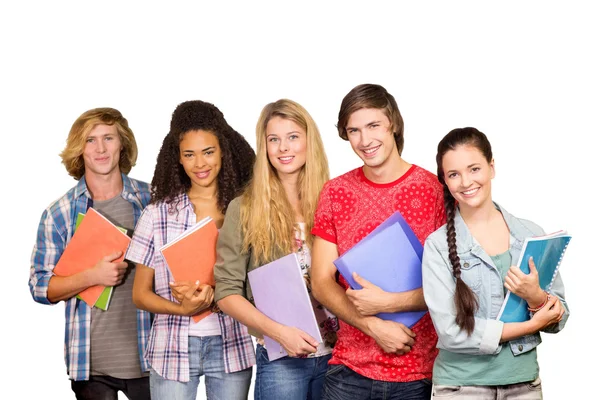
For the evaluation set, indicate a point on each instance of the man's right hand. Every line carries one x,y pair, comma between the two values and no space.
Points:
392,337
109,273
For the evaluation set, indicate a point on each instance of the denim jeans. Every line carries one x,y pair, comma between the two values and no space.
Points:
519,391
341,383
206,358
289,378
107,387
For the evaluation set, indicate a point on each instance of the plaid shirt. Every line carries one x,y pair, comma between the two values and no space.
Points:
54,232
167,349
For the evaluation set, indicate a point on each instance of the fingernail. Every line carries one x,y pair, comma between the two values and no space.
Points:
197,282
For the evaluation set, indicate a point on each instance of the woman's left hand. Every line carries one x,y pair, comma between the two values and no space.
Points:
526,286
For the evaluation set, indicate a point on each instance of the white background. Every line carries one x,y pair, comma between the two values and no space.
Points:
525,73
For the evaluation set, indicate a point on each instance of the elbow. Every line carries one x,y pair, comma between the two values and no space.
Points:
137,299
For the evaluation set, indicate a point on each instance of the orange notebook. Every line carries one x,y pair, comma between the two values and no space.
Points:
192,255
96,237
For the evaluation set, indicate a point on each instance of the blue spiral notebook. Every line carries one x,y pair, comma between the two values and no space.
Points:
547,252
389,257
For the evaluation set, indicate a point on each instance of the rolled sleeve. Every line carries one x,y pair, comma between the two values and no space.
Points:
439,287
47,250
141,248
232,264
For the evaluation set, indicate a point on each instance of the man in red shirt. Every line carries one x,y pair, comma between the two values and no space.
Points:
374,358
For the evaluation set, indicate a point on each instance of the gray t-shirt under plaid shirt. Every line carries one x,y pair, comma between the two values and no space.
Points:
114,339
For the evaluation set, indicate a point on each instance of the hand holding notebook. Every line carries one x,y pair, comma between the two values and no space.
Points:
191,256
547,252
390,258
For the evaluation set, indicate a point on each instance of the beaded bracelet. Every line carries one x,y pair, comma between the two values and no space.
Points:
538,308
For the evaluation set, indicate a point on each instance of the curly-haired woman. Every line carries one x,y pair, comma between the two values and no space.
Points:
202,165
273,218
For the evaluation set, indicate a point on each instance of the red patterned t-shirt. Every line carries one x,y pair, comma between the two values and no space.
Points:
350,207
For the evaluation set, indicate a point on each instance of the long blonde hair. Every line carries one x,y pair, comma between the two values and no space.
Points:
267,216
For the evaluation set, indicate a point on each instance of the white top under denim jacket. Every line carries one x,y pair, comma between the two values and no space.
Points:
480,274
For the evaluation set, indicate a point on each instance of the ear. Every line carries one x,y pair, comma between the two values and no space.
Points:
492,166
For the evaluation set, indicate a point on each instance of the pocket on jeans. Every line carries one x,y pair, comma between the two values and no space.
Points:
334,369
446,390
535,385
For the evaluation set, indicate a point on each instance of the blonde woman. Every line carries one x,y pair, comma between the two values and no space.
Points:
273,218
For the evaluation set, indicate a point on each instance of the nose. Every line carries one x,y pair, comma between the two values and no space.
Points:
365,139
200,162
466,180
283,146
101,148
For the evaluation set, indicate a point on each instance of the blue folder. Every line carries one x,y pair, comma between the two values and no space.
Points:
389,257
547,252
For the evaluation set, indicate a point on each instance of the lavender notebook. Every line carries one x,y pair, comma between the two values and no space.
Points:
389,257
280,293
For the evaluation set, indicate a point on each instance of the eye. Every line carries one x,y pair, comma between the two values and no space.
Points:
373,126
108,138
452,175
475,169
209,152
188,155
351,130
273,139
293,137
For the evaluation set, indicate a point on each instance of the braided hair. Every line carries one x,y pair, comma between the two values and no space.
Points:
465,301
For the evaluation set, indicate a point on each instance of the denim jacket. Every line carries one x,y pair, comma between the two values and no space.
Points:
481,275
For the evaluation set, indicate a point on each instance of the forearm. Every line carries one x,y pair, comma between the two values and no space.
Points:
331,295
514,330
240,309
406,301
146,299
65,287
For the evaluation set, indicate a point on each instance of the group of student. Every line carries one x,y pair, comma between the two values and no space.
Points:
278,201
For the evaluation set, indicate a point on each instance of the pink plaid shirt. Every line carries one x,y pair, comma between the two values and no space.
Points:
167,350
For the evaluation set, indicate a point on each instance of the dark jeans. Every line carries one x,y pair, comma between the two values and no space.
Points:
341,383
107,387
289,378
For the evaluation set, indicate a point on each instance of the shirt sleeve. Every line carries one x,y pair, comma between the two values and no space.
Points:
232,264
141,248
49,246
324,226
438,288
440,210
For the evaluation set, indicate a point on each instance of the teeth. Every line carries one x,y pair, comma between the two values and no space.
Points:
286,158
371,151
471,191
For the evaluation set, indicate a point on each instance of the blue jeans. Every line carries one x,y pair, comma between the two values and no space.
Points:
289,378
341,383
206,358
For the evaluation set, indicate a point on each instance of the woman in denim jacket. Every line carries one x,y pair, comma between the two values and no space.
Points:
466,274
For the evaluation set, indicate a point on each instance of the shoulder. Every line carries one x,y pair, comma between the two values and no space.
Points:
342,180
521,227
438,238
425,176
137,186
233,209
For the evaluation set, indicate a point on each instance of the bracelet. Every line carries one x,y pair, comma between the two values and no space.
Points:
538,308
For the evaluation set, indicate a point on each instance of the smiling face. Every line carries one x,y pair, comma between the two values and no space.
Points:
468,176
286,146
369,133
102,150
200,156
